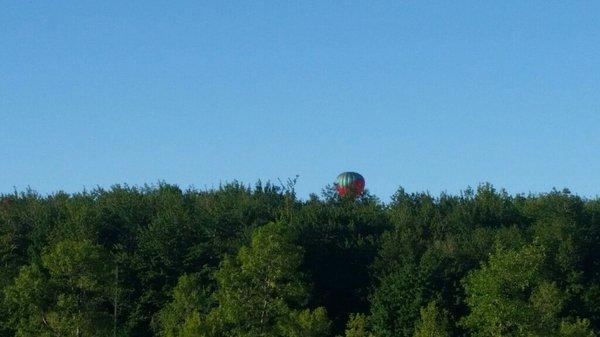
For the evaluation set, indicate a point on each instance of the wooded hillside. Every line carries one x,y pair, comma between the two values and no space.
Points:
241,261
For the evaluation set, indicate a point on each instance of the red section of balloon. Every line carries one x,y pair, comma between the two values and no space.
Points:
356,188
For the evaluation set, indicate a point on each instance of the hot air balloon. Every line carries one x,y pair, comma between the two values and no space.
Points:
350,183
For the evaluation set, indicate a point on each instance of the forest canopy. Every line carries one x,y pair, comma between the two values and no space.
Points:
258,261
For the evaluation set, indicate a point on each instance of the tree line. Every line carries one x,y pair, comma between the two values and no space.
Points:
259,262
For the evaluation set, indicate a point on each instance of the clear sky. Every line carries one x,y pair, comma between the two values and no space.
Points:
429,95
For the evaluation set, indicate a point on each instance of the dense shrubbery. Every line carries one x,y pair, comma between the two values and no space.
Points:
241,261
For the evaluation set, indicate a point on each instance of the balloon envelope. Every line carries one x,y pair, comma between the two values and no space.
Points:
350,183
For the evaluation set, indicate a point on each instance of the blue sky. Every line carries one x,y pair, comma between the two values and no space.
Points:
432,96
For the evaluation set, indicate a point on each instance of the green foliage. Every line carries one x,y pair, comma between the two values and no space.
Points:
305,323
578,328
511,295
433,322
358,326
66,296
251,261
181,316
261,291
395,303
340,238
